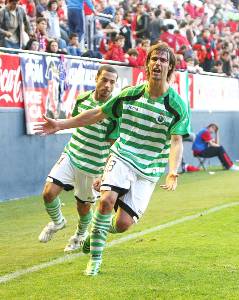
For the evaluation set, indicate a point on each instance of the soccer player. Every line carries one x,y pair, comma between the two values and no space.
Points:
153,120
81,162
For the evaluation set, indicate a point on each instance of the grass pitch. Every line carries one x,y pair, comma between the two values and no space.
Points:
197,259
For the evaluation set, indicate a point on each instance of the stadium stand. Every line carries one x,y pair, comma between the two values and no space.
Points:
203,33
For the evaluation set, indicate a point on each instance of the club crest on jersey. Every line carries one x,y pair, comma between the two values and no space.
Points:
161,119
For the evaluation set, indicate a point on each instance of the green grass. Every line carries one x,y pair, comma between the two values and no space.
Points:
197,259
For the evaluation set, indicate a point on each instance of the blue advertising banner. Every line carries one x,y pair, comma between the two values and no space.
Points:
51,85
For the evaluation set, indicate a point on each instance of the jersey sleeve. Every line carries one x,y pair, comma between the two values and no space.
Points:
182,121
113,129
80,98
113,108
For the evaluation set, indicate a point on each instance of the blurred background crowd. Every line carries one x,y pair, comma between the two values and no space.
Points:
203,33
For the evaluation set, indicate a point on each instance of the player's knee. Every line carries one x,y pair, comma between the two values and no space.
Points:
48,194
107,202
83,208
123,225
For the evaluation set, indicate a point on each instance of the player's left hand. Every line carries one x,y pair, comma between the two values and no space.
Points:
170,183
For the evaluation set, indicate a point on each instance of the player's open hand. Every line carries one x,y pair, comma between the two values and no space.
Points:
50,126
96,184
170,183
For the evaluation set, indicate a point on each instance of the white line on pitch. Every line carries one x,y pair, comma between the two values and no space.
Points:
11,276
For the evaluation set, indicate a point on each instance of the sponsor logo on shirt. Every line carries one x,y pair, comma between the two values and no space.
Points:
131,107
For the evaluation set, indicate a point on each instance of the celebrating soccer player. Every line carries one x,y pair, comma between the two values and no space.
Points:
81,163
153,120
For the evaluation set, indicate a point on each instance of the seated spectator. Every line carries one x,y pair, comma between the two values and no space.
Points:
217,68
226,63
206,50
180,63
193,65
32,45
53,47
206,146
132,57
116,51
74,48
13,25
41,33
167,37
142,52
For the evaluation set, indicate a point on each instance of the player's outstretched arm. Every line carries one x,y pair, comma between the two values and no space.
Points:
175,158
51,126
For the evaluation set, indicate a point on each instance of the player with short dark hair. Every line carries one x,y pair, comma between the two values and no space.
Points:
81,162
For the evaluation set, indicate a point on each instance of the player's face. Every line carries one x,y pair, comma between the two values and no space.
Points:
105,84
158,65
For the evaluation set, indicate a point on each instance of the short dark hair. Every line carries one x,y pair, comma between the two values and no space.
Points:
40,19
213,125
73,35
132,52
162,47
107,68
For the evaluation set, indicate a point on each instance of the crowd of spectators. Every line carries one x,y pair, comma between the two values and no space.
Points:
203,33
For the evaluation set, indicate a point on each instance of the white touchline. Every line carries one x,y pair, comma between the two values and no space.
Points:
11,276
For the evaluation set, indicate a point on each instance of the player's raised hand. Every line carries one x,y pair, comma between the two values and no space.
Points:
170,183
50,126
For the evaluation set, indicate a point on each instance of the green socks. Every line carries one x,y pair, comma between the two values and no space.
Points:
99,232
113,228
84,222
54,210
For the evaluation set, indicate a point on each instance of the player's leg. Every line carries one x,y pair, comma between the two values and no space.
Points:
115,182
85,213
85,198
58,179
121,221
99,231
53,208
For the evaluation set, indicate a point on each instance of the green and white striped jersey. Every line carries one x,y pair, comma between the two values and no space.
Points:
146,128
89,146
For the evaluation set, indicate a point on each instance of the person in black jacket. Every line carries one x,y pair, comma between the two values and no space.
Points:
142,24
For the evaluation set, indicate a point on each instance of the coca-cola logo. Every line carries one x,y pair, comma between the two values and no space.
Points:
10,84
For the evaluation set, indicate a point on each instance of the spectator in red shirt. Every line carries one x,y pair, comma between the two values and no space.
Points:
132,57
142,52
180,63
116,51
167,37
206,50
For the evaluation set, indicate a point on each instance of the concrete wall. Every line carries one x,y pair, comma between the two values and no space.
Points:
26,160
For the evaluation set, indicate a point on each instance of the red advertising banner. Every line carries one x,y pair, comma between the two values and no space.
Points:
10,82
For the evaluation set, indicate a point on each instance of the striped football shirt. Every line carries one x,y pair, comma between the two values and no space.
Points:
146,128
89,146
